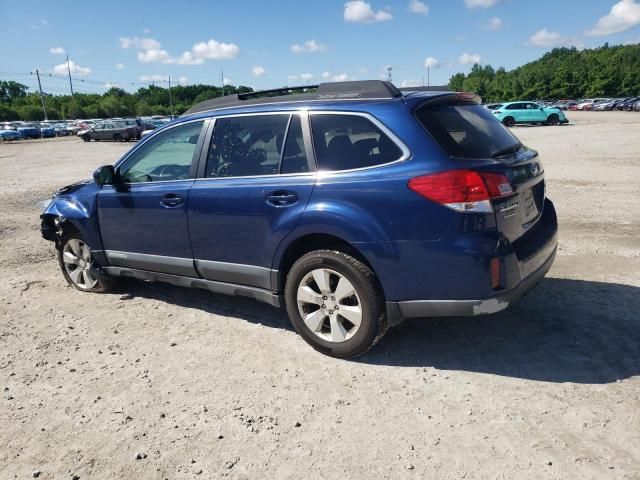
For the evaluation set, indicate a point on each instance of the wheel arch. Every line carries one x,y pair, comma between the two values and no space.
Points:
287,255
71,214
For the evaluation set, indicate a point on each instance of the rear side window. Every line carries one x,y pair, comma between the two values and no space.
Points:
344,142
246,146
467,131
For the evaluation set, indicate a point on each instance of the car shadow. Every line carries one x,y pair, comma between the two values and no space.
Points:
563,331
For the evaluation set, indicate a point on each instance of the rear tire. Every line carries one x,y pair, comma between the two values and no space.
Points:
508,122
344,310
117,137
86,138
553,119
78,267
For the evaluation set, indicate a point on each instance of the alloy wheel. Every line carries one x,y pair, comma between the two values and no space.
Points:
329,305
78,263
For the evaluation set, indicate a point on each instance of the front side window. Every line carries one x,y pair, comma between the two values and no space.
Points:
246,146
345,142
167,156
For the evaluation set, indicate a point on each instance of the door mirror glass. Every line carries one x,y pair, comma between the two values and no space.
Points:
104,175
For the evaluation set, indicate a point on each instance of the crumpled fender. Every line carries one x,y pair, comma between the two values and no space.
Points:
78,209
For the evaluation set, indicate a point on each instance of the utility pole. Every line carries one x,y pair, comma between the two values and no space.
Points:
41,96
222,80
389,68
69,70
428,73
170,99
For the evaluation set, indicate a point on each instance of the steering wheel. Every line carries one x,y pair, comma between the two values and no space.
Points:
173,170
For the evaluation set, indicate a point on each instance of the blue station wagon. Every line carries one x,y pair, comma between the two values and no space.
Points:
354,205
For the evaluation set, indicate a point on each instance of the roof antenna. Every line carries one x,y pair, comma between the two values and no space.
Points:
389,68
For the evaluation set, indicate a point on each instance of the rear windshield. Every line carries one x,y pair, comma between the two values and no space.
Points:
468,131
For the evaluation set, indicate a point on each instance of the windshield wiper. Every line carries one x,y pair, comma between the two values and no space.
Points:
505,151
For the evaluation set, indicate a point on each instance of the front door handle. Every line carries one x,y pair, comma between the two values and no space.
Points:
281,198
171,200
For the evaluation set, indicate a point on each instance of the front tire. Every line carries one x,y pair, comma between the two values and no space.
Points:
117,137
335,303
508,122
553,119
78,267
86,138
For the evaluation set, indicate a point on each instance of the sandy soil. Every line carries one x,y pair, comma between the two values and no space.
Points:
160,382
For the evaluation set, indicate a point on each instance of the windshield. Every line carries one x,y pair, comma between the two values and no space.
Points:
467,131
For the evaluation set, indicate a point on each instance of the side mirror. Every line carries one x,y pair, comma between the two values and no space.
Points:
104,175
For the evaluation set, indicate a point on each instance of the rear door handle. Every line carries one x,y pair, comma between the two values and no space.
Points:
171,200
281,198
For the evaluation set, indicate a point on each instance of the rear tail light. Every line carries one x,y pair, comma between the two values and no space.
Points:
463,190
495,273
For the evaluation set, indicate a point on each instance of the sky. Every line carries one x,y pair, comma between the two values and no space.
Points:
272,43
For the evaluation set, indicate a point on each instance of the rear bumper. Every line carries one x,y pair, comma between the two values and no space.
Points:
531,259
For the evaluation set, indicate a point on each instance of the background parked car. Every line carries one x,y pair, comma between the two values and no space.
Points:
8,132
47,130
28,130
62,129
117,131
512,113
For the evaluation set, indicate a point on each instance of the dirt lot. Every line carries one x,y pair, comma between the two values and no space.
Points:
158,382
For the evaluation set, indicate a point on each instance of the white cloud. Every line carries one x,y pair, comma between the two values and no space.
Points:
410,83
182,80
258,71
120,66
141,43
306,77
342,77
308,47
151,51
109,85
43,21
431,62
154,55
213,50
480,3
623,15
548,39
146,30
494,24
326,75
57,51
73,67
359,11
469,58
416,6
226,81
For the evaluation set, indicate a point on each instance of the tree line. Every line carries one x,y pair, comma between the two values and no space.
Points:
18,103
562,73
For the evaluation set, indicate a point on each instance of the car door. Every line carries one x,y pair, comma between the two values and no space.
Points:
143,217
535,113
250,192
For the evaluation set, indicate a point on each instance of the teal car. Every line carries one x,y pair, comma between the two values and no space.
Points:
511,113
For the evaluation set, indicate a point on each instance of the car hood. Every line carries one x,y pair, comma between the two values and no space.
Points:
82,187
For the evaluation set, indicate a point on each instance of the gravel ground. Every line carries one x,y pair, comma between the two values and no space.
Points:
156,381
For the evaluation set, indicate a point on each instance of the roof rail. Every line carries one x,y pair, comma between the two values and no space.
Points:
365,89
424,88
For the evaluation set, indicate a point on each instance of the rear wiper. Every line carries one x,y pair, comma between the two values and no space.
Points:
511,149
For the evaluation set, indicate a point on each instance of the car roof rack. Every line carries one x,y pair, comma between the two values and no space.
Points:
365,89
